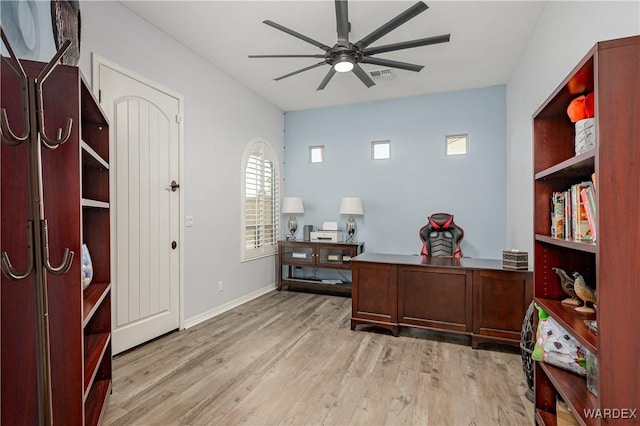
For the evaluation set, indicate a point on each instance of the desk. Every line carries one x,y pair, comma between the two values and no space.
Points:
475,297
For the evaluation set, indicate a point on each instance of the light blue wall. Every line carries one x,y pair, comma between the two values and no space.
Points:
399,193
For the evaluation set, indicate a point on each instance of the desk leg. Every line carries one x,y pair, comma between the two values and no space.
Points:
278,273
393,328
474,342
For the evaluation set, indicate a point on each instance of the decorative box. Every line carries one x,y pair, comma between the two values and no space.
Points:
585,135
515,259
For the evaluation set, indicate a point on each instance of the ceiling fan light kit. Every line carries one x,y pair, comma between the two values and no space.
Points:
344,63
345,56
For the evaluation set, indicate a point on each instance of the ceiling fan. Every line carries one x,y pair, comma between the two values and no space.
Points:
345,56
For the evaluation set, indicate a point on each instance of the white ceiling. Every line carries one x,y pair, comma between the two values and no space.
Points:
486,40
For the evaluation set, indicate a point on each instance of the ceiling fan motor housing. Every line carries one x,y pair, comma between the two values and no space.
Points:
345,56
340,54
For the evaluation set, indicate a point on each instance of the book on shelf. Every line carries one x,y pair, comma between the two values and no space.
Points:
582,229
572,214
566,214
589,202
557,215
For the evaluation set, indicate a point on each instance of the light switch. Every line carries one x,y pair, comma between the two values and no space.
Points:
188,221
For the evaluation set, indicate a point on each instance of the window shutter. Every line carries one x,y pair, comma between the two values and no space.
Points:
252,201
261,203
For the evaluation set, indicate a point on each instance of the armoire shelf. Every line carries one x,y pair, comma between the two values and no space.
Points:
75,190
611,70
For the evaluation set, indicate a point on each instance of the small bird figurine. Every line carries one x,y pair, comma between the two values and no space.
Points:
566,282
584,293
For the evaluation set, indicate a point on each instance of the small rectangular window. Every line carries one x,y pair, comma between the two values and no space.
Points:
457,144
316,154
380,150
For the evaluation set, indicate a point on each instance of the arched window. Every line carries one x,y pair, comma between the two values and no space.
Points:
260,201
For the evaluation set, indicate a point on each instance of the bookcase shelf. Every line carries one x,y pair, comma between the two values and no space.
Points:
611,70
95,346
570,244
93,296
94,403
572,321
582,165
98,161
573,390
86,202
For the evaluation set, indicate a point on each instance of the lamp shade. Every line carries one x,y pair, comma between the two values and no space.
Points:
292,205
351,205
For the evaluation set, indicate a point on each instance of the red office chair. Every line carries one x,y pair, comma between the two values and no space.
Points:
441,237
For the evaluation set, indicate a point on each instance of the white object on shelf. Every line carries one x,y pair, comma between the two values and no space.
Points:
585,135
87,267
299,255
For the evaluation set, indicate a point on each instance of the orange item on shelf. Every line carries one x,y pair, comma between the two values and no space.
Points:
581,107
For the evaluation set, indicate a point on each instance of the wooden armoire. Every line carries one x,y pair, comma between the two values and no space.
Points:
75,194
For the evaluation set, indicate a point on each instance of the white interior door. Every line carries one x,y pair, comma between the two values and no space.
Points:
145,160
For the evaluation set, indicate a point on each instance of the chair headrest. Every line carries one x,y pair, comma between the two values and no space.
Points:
441,220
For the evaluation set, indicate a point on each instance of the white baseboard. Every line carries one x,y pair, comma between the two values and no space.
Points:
227,306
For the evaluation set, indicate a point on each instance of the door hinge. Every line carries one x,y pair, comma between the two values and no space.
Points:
100,96
178,118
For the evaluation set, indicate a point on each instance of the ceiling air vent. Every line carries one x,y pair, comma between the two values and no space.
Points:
384,74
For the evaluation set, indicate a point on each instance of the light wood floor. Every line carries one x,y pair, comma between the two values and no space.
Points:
290,358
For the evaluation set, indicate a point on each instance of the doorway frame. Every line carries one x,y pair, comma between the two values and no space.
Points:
96,61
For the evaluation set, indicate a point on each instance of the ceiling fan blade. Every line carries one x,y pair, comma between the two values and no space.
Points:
407,44
392,64
286,56
342,20
412,12
363,76
300,70
297,35
326,79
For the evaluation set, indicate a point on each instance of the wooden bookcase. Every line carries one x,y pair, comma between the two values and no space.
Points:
611,70
76,204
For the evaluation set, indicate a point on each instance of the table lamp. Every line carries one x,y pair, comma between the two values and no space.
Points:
293,206
351,206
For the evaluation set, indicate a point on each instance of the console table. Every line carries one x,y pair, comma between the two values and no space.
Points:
293,255
475,297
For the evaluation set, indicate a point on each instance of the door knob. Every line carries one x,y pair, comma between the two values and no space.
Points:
173,186
174,245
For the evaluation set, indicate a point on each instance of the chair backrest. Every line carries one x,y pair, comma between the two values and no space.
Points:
441,237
